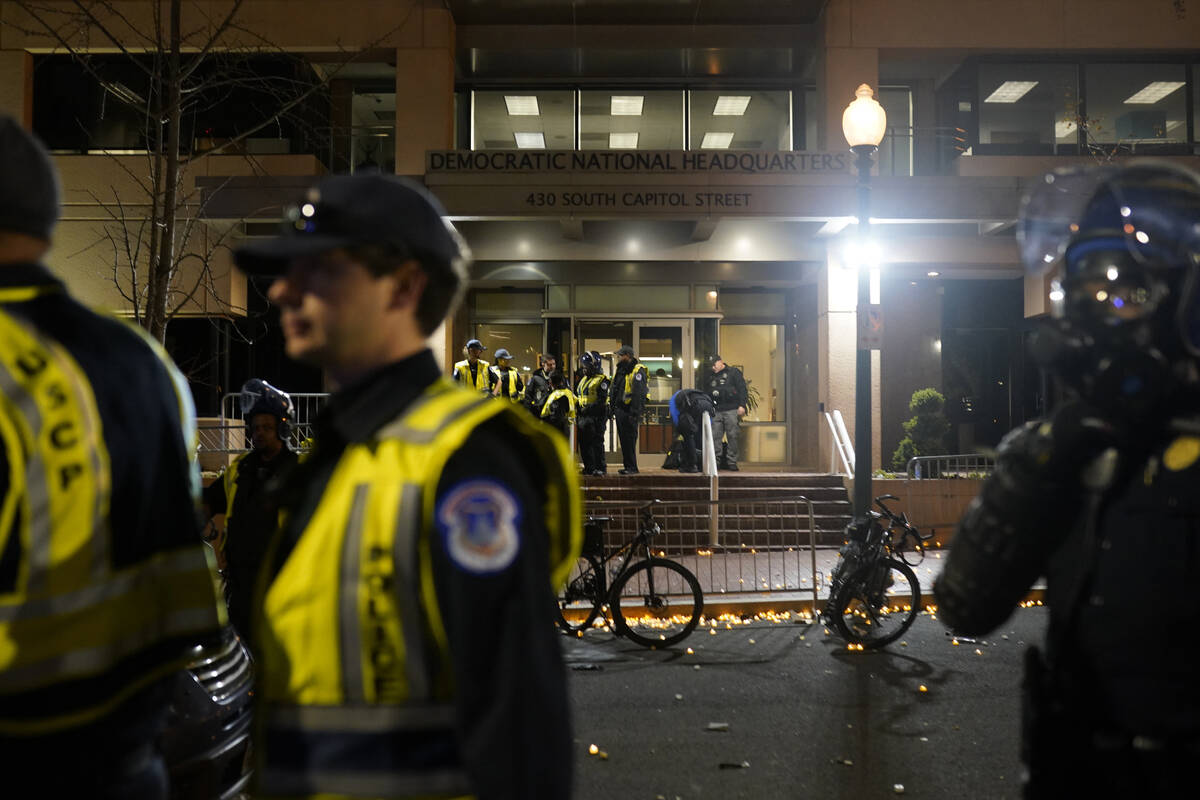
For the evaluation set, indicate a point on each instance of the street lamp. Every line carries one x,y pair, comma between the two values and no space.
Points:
863,122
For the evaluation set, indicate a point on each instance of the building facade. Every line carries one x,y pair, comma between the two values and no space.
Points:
670,175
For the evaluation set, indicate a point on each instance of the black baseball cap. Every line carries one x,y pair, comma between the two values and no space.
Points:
624,350
475,343
28,183
355,210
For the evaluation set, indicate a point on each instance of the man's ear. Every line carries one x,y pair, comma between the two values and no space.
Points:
408,283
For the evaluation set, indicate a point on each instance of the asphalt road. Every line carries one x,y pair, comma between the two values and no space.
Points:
805,717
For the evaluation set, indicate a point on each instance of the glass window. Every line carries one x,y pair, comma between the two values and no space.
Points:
523,119
737,119
812,114
1028,109
753,304
895,151
507,302
629,119
1137,104
632,298
558,298
523,341
757,350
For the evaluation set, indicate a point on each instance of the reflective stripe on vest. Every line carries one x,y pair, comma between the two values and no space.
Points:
511,376
588,389
71,617
627,396
480,381
556,395
374,716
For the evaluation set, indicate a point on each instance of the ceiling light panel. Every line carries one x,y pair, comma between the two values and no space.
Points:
716,140
1010,91
731,105
623,141
521,105
1153,92
530,141
627,105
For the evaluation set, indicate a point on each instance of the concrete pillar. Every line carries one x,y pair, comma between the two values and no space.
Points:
16,85
837,340
425,94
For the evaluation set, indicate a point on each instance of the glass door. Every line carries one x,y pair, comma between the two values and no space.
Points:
665,347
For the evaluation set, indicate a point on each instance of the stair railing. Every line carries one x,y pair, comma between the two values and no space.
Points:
708,454
842,446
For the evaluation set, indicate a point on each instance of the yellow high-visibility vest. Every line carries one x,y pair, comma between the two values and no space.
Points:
72,618
352,641
509,375
556,395
627,395
480,382
588,392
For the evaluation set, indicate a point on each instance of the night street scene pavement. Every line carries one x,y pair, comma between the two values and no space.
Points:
761,709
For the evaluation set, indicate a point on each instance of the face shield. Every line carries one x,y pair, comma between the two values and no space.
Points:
1124,242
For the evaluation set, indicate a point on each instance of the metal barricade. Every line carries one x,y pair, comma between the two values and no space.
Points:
967,465
766,546
229,434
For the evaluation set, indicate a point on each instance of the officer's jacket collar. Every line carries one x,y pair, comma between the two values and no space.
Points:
365,406
27,275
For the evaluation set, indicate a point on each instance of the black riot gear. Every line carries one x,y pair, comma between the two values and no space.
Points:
1107,481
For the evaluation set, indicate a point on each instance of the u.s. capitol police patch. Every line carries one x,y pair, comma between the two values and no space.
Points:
478,524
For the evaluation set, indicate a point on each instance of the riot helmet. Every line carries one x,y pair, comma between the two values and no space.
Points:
590,362
259,397
1123,244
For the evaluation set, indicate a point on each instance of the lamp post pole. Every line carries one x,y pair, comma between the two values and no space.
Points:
862,374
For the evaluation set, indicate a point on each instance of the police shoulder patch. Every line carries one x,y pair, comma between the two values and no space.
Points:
478,522
638,376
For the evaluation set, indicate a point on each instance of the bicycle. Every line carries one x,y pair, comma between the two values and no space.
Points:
654,602
875,596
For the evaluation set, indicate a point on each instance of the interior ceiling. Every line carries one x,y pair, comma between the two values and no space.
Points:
608,64
644,12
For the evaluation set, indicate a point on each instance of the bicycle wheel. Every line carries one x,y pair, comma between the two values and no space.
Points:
657,603
875,607
579,600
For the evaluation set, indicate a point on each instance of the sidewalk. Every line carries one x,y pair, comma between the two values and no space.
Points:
762,583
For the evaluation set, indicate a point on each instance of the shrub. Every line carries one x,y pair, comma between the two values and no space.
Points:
926,431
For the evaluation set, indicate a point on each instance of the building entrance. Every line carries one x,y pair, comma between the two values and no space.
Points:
665,346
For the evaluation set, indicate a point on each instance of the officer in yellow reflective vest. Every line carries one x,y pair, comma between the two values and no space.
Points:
405,640
472,371
503,379
558,409
105,585
592,392
627,400
243,494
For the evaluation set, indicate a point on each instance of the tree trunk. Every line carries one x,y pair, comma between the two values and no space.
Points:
162,264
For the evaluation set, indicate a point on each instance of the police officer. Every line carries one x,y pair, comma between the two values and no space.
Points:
560,406
627,400
504,380
592,392
243,494
539,386
688,407
1102,497
727,387
472,371
405,643
105,585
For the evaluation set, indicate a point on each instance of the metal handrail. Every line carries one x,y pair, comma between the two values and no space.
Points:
962,465
842,446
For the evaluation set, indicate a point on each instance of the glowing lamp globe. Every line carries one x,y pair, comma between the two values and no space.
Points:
864,121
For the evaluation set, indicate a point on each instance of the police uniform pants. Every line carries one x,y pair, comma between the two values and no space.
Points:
726,423
627,432
591,442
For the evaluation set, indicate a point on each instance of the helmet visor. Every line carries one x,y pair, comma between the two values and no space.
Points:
1152,206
